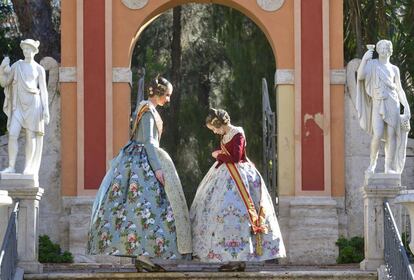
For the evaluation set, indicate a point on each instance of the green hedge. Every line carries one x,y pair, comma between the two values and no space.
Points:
350,250
50,252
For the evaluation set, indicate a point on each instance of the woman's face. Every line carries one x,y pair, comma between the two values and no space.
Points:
162,100
219,131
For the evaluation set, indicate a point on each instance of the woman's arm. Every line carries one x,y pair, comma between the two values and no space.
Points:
148,124
236,149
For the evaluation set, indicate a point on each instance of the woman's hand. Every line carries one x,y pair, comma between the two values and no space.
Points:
160,176
215,153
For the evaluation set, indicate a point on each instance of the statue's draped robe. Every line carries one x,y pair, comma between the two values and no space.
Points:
379,87
23,97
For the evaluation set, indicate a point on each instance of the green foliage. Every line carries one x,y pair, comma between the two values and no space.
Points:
224,57
50,252
367,21
9,46
250,58
350,250
406,241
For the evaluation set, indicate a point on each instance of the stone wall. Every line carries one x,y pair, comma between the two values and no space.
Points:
310,227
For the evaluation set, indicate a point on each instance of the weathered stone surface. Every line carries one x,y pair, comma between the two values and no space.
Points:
338,77
313,230
285,77
135,4
67,74
264,275
121,75
28,219
377,189
270,5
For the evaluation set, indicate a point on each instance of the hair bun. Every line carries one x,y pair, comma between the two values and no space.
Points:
217,117
159,86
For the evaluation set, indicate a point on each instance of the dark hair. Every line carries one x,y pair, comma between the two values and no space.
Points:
158,86
217,117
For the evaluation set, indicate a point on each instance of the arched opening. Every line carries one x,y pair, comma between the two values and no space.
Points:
223,57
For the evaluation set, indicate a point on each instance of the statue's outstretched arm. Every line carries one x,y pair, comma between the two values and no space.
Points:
6,76
361,74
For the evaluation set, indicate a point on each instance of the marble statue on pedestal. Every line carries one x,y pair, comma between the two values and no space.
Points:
26,106
378,99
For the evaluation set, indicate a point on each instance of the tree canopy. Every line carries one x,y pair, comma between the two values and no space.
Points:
224,56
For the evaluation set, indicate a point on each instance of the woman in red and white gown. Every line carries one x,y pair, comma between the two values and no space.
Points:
232,216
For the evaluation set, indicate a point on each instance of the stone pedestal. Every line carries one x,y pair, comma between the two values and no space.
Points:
313,231
24,188
78,212
5,201
377,188
80,216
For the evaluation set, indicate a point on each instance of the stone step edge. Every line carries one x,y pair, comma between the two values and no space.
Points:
211,275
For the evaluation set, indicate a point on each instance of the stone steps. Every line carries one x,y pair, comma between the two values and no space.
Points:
197,271
263,275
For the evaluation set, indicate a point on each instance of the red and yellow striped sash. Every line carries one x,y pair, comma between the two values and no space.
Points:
138,118
257,220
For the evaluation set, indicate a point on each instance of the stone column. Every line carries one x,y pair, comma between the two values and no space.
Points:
377,188
5,201
24,188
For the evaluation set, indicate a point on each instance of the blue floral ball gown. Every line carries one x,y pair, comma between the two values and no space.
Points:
133,214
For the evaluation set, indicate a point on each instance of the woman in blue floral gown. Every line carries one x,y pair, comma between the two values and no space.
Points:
140,209
232,215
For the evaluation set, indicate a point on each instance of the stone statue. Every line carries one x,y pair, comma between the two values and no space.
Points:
26,106
378,97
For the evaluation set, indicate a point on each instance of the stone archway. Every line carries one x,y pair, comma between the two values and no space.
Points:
98,37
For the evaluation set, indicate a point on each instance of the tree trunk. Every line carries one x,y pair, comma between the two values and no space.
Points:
358,28
35,22
172,120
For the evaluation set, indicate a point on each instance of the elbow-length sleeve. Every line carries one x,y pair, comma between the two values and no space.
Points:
236,149
150,141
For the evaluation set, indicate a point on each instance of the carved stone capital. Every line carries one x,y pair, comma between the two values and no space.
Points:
67,74
285,77
338,77
121,75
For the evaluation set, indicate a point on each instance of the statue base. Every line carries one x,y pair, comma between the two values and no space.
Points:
18,180
378,188
24,188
